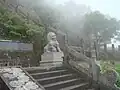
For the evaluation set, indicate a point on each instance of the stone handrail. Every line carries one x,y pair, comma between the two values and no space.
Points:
78,55
72,56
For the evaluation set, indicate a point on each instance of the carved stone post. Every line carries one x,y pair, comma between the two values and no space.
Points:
105,47
113,51
93,55
82,45
95,68
118,47
113,48
64,49
66,38
105,50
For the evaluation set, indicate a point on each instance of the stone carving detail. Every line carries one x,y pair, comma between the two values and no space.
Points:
52,52
53,45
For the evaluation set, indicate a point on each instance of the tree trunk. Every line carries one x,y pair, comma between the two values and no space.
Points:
37,54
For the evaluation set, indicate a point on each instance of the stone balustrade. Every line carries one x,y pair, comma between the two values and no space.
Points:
92,69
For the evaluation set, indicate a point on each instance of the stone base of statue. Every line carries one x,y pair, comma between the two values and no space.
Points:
52,58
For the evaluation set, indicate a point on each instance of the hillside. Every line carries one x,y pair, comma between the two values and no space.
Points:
50,15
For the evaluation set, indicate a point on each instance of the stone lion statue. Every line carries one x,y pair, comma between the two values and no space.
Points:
53,45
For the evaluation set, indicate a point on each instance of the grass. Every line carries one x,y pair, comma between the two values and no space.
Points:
117,67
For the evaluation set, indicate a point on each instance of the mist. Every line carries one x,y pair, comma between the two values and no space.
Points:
68,17
68,14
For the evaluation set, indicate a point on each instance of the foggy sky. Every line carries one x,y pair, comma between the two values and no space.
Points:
108,7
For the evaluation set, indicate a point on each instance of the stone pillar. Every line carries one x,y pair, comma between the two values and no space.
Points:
93,55
67,38
105,47
64,49
82,45
113,48
95,68
113,51
118,47
97,50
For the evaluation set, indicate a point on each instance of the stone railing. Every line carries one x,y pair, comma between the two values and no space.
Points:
90,67
80,60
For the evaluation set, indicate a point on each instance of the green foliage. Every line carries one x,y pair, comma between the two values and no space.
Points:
118,83
96,22
117,68
16,28
106,65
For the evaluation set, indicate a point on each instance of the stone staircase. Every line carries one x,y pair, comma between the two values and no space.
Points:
59,78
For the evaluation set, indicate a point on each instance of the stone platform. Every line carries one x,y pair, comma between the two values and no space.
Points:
52,58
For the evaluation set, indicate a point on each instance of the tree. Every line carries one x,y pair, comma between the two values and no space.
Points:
14,27
17,28
38,38
47,14
96,22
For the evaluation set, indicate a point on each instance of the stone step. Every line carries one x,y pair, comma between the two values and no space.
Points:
61,84
43,69
50,74
56,77
59,78
48,61
51,63
91,89
80,86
